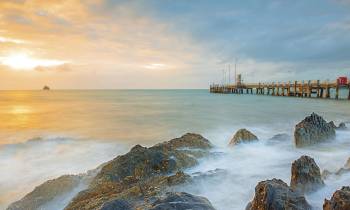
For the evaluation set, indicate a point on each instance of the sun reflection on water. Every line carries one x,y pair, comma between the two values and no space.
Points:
20,109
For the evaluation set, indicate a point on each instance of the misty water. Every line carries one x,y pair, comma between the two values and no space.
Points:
45,134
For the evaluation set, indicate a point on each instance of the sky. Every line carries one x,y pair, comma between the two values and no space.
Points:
123,44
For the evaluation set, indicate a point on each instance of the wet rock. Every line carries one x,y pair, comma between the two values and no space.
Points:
342,171
331,123
164,158
216,173
342,126
347,164
47,192
181,201
280,137
143,173
306,176
325,174
243,136
189,140
339,201
313,129
117,205
275,194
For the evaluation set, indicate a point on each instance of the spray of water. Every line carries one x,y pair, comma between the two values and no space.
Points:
26,165
247,164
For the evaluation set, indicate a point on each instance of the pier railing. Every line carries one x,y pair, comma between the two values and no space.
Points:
310,88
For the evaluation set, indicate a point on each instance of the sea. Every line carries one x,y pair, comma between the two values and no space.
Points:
45,134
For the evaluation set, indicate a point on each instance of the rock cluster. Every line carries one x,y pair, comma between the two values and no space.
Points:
134,180
140,178
243,136
276,194
339,201
313,129
306,175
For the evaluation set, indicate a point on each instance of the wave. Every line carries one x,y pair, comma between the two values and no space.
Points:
28,164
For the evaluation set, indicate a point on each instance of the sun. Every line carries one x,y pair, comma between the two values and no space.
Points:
22,61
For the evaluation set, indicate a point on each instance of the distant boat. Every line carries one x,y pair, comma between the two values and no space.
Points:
46,87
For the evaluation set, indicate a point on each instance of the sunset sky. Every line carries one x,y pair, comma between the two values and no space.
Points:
107,44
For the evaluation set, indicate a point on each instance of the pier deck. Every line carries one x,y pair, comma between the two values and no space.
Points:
309,89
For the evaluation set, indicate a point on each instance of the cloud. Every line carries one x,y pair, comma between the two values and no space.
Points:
193,40
59,68
11,40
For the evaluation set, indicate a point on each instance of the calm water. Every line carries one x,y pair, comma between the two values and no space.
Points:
44,134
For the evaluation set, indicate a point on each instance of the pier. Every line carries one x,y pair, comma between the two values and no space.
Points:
306,89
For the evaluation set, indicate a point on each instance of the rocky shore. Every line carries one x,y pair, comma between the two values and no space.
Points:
149,178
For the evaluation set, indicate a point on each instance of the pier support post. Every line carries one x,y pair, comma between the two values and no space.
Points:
337,92
302,88
309,88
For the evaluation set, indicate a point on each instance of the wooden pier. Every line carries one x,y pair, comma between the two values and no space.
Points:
309,89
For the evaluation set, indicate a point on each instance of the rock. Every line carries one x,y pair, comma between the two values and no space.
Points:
275,194
143,173
313,129
347,164
47,192
189,140
280,137
181,201
325,174
211,174
339,201
306,176
164,158
342,171
117,204
342,126
331,123
243,136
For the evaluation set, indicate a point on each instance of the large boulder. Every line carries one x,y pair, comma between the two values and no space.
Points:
143,173
275,195
339,201
243,136
313,129
142,162
181,201
306,175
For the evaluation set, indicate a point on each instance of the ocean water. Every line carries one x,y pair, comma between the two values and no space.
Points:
45,134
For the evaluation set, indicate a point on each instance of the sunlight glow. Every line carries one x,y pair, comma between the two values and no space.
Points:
16,41
155,66
24,62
